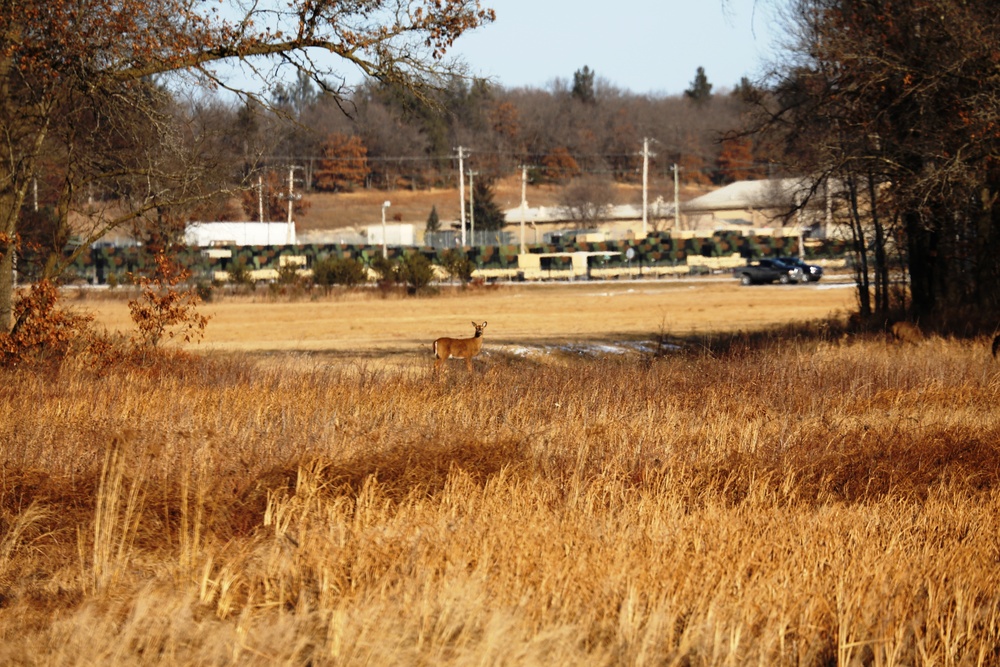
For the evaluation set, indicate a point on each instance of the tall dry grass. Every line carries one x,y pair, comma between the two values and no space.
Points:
793,503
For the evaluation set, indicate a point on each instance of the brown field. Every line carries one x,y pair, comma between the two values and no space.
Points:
364,207
809,498
365,324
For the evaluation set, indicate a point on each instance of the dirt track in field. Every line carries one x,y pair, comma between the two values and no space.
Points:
367,326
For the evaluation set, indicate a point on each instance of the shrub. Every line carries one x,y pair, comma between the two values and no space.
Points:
42,334
387,270
205,290
458,265
239,273
288,274
416,271
161,309
345,271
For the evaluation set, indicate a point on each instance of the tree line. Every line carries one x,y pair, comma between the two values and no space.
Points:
384,137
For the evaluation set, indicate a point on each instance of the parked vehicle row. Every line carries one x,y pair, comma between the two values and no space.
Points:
785,270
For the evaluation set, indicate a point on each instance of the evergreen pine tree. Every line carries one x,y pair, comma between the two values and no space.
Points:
583,85
488,215
433,221
700,90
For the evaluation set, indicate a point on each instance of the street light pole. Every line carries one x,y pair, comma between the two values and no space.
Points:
677,198
461,189
472,207
385,252
646,154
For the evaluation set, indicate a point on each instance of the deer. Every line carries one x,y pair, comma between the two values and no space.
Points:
459,348
907,332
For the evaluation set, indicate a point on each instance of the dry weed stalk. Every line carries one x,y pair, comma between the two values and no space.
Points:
115,525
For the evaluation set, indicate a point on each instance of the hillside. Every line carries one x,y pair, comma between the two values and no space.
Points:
359,209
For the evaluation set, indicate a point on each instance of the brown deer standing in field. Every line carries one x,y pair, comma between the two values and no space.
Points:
906,332
460,348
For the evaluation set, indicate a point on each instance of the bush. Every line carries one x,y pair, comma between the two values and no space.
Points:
239,273
416,271
288,274
387,270
43,335
204,290
457,264
346,271
164,310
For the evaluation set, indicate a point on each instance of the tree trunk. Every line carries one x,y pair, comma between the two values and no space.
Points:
11,201
860,247
922,245
6,291
881,260
987,294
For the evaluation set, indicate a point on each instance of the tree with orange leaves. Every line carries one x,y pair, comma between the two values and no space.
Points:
736,161
344,165
66,61
559,166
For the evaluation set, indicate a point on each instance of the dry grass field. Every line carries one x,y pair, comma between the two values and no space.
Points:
806,498
329,211
523,319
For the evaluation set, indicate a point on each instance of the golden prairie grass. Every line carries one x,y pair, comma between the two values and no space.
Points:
795,502
367,323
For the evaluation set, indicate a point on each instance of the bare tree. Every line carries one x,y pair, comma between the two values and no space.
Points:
896,106
99,56
588,199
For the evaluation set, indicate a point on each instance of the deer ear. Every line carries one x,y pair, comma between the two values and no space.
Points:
474,324
484,324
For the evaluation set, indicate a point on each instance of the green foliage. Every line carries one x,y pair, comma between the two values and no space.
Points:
288,274
387,270
345,271
433,221
458,265
239,273
583,85
487,215
416,271
700,90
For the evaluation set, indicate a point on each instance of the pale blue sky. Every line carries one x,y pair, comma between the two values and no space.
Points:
644,46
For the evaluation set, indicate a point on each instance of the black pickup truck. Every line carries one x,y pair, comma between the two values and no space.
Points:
760,271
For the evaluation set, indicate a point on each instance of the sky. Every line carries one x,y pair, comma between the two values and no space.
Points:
642,46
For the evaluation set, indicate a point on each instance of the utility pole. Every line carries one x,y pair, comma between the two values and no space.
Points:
461,190
385,252
524,201
260,198
291,198
645,184
677,199
472,206
291,192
